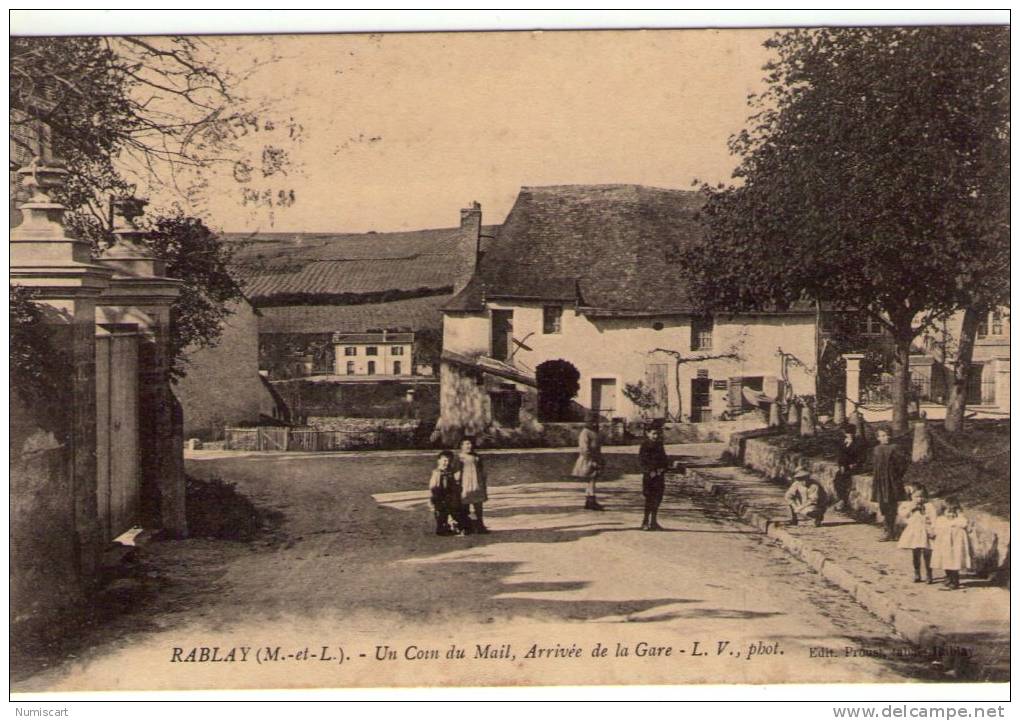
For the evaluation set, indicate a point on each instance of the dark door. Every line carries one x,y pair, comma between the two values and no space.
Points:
701,400
502,334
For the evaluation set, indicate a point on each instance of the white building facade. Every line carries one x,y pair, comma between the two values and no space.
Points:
579,285
373,354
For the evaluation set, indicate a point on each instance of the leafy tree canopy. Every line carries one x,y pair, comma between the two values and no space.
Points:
874,174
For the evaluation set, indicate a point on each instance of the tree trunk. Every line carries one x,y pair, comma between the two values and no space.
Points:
958,371
901,384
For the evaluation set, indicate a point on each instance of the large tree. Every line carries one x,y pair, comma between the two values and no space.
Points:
873,176
124,107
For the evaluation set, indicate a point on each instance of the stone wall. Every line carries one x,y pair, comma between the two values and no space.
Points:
990,535
222,386
47,581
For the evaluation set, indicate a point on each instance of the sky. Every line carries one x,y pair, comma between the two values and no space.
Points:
399,131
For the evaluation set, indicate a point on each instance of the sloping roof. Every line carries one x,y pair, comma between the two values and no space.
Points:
337,263
376,338
413,314
605,246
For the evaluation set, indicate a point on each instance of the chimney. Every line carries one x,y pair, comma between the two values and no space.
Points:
470,238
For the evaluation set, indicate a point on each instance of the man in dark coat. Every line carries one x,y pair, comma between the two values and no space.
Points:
888,467
848,455
654,464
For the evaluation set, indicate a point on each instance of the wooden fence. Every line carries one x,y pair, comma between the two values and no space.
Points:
309,439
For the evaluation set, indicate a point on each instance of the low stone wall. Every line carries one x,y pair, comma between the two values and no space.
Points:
343,423
990,535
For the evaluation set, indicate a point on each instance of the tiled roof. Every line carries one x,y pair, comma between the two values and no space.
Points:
412,314
380,338
606,246
287,263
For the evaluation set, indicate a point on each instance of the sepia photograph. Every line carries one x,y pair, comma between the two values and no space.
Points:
538,357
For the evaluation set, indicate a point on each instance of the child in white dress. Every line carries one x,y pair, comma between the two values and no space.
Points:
473,483
952,550
916,536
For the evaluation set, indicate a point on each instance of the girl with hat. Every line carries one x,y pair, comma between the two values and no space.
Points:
589,460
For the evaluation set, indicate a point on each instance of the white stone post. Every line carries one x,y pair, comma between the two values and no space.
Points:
853,377
1002,384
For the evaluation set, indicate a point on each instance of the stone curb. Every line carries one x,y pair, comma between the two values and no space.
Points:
908,624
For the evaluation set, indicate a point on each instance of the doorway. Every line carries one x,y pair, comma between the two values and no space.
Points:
603,397
701,400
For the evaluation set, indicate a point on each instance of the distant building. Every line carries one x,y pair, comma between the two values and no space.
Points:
308,286
373,354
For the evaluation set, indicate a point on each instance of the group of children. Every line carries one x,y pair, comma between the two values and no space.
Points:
458,482
458,485
937,537
937,540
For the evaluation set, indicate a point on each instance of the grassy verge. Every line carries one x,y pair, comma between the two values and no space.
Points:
972,464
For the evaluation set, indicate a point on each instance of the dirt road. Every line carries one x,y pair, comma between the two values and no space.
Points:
354,589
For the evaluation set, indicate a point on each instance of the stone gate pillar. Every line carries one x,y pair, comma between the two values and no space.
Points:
55,540
140,293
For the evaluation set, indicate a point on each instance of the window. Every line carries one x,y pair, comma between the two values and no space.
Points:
502,334
371,368
350,368
996,322
701,333
397,350
350,350
868,325
371,350
552,316
396,368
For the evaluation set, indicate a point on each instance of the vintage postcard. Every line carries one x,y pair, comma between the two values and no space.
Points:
563,358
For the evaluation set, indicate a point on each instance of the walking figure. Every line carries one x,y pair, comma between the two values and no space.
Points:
888,467
654,464
589,460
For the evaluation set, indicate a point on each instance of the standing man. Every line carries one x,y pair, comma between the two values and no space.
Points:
589,460
888,467
654,464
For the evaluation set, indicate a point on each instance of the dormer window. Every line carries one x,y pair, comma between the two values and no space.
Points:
552,317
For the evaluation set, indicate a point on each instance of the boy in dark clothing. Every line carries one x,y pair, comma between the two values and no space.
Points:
848,456
654,464
888,469
444,489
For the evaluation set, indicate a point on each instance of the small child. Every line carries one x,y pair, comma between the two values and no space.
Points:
916,536
952,551
471,475
445,491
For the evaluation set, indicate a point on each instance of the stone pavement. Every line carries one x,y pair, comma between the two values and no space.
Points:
968,627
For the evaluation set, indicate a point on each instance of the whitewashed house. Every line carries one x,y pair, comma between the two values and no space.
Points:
373,354
582,281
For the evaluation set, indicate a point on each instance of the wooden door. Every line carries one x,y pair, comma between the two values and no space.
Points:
655,381
603,396
701,400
